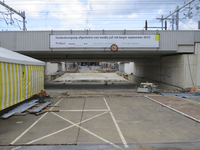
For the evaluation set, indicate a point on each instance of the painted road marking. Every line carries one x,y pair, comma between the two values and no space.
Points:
173,109
175,96
117,126
87,110
64,128
22,134
16,148
88,131
73,124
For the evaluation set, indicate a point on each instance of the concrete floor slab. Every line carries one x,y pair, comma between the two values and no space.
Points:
140,121
89,76
47,125
147,146
71,104
66,137
143,121
95,103
12,127
102,126
85,137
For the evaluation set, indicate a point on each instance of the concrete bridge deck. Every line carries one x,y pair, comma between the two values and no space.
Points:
39,44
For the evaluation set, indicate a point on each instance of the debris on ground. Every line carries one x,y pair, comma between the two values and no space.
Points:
21,108
146,88
44,111
65,93
106,81
183,95
40,107
28,106
53,106
20,114
92,94
105,71
192,90
190,93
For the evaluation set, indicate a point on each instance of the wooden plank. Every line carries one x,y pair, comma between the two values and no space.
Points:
19,114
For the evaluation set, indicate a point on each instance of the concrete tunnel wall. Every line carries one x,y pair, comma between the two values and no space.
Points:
50,68
181,70
197,53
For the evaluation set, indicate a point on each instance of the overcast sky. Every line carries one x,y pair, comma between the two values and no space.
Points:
96,14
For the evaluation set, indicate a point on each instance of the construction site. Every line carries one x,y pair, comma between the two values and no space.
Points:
95,108
100,89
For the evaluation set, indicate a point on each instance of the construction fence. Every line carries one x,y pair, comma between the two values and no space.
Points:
19,82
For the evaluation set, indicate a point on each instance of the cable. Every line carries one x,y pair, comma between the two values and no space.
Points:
187,25
125,10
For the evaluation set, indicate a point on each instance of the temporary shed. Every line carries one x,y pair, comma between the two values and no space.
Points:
20,77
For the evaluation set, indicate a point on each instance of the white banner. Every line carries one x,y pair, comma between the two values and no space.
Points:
63,41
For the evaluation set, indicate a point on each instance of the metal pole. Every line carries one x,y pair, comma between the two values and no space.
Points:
12,9
24,22
199,25
179,9
177,18
162,22
173,22
146,25
24,25
20,14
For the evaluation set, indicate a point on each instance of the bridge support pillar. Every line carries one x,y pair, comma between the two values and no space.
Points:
178,70
197,52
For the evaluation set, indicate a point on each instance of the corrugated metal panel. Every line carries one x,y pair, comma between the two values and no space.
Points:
32,41
39,40
197,36
169,40
7,40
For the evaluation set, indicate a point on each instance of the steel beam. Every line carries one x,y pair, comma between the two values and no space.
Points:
22,14
179,9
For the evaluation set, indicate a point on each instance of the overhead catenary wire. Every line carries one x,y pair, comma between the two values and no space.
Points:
115,15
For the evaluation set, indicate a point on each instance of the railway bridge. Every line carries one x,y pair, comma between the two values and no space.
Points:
171,57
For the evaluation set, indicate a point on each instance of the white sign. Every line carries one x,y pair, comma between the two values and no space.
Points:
64,41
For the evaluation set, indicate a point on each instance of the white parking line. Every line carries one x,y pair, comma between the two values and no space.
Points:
16,148
22,134
175,96
173,109
86,110
64,128
88,131
117,126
